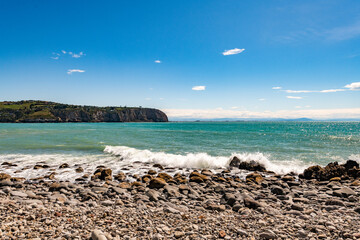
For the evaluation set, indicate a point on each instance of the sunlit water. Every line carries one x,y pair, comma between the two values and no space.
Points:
281,146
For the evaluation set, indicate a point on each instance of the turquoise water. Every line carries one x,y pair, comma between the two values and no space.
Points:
281,146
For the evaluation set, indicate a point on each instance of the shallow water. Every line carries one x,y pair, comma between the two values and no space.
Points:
281,146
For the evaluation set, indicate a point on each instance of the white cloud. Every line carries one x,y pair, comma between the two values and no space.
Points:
74,55
332,90
161,98
147,99
298,106
70,71
234,107
276,88
77,55
261,99
55,58
198,88
299,113
233,51
293,97
316,91
353,86
298,91
157,61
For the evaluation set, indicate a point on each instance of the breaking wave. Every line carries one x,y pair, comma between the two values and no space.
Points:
202,160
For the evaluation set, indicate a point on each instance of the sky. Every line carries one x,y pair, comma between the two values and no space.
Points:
190,58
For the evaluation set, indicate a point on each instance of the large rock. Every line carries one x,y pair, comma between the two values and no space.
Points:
247,165
332,170
157,183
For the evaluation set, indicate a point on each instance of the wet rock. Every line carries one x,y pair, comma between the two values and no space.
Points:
157,183
198,177
120,177
8,164
332,170
165,176
247,165
288,178
234,162
254,177
4,176
64,165
158,166
152,172
39,166
102,174
125,185
79,170
335,179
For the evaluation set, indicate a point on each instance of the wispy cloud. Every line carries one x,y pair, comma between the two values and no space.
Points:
332,90
298,91
198,88
344,32
261,99
56,56
157,61
299,113
147,99
77,55
70,71
339,33
353,86
233,51
293,97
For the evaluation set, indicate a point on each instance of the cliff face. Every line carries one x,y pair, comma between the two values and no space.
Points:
41,111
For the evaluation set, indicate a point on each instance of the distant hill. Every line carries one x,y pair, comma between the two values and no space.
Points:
42,111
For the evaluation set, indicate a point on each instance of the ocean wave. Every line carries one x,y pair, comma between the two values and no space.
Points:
202,160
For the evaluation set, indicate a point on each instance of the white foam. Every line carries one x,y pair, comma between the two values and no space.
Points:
203,160
137,161
191,160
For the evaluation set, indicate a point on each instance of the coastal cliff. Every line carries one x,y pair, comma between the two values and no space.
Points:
43,111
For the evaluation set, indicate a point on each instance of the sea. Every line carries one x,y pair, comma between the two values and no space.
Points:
282,147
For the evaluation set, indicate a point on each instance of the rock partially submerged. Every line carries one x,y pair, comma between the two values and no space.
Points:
333,170
247,165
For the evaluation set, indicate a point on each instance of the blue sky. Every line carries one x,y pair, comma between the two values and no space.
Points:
192,59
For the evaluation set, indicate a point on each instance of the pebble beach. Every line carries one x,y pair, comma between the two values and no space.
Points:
321,203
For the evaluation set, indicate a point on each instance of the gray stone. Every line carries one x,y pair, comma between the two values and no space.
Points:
268,234
18,194
98,235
